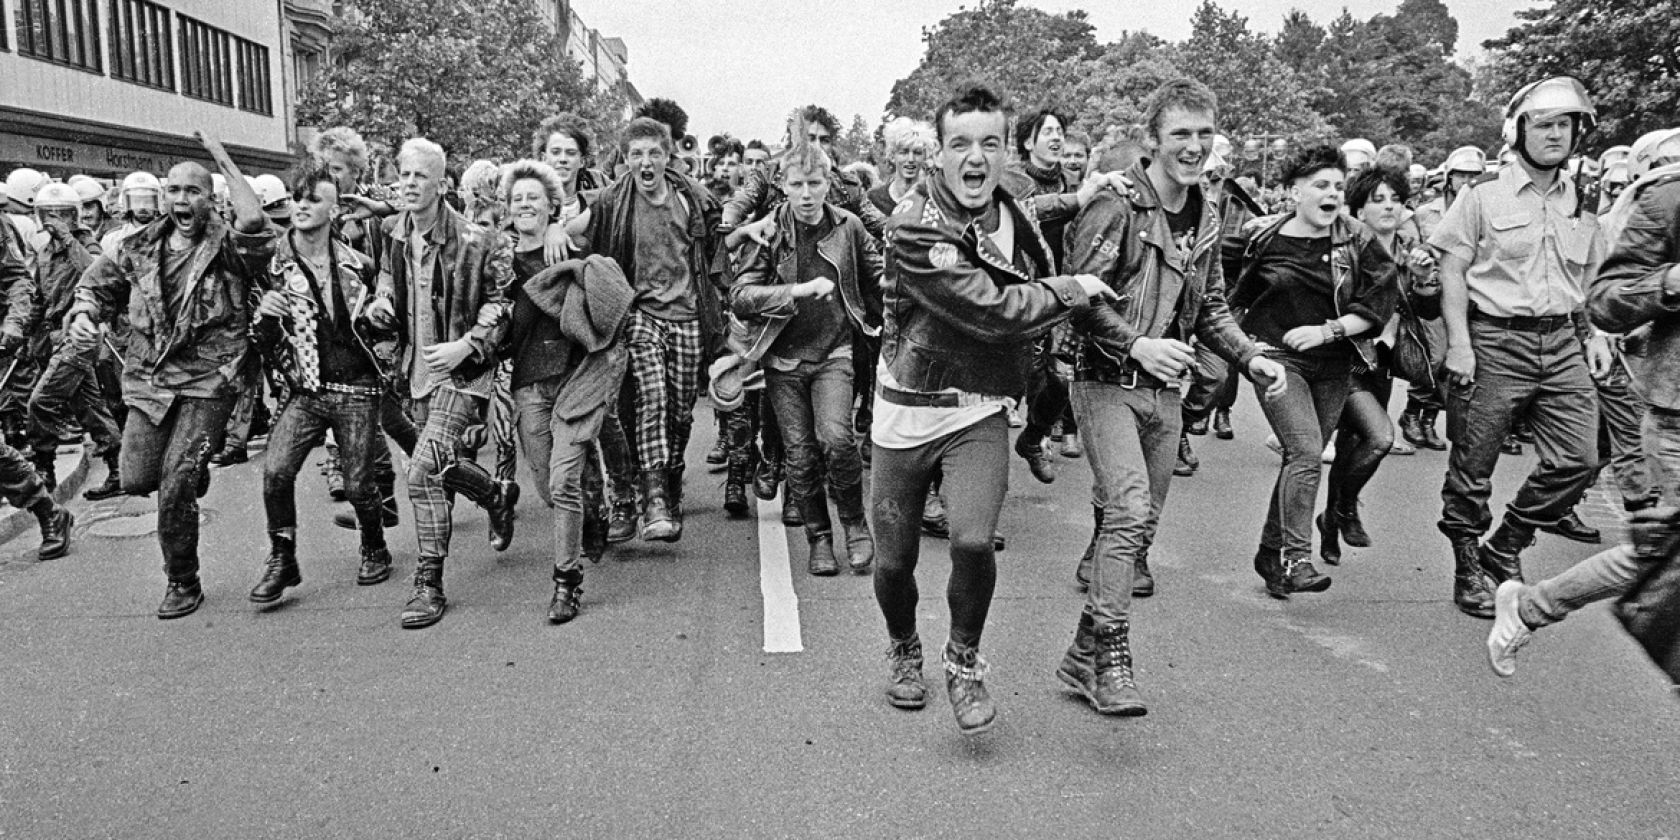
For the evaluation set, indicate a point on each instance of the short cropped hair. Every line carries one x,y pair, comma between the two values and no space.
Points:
1313,159
1394,156
532,170
1366,182
568,124
969,98
1027,130
344,140
420,147
1183,94
807,156
646,128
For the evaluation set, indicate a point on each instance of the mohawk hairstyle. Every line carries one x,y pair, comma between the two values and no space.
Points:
667,112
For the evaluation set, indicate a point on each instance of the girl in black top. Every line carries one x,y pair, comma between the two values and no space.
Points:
1312,282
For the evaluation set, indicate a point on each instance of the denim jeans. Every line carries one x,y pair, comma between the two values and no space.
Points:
172,458
1363,438
975,462
1542,376
1131,440
813,405
1611,572
1302,418
557,450
302,426
1213,385
1621,411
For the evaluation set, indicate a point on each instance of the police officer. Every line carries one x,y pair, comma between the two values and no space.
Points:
1518,251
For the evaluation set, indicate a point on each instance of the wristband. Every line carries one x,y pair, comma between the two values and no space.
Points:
1337,331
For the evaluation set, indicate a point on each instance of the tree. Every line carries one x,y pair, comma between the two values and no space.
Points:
1025,53
1627,53
1258,92
858,142
474,77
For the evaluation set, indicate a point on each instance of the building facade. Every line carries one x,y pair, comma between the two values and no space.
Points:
605,59
107,87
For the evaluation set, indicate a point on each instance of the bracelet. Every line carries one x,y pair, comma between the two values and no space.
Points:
1337,331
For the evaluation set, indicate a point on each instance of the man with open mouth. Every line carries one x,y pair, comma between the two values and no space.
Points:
187,281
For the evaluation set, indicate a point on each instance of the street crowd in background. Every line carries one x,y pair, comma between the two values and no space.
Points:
870,333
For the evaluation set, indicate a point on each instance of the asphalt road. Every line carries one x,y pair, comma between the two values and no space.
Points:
1366,711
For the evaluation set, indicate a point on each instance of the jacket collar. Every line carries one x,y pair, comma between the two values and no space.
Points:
442,230
1144,194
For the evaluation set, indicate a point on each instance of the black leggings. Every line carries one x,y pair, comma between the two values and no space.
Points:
976,460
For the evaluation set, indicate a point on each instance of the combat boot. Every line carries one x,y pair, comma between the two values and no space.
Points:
656,511
426,605
1426,422
735,486
112,486
1113,688
906,689
965,674
1079,662
281,570
1470,585
568,590
375,566
1499,555
1411,428
860,546
55,521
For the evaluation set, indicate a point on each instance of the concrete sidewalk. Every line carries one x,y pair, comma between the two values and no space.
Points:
72,468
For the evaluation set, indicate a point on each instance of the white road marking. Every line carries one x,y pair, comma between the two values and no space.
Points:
775,582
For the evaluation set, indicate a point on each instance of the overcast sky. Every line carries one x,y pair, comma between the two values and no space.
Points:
742,65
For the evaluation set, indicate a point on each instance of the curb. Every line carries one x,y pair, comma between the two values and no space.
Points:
15,522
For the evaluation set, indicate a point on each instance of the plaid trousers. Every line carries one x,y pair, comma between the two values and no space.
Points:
442,417
665,373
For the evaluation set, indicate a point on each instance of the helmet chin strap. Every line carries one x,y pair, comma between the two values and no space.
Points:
1522,145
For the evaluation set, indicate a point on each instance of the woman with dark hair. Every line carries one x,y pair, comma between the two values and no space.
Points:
1365,434
1313,282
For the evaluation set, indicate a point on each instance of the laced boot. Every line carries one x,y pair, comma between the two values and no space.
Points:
425,607
1411,427
112,486
1082,573
181,599
934,520
568,589
656,511
45,466
281,570
860,546
965,673
1426,422
502,514
735,486
375,566
55,521
621,520
718,455
1113,689
1329,536
767,479
1079,663
1038,461
1187,463
1499,553
335,475
1222,424
905,687
1470,585
792,516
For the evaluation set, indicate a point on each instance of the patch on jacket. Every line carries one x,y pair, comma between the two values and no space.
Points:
1106,247
943,255
904,204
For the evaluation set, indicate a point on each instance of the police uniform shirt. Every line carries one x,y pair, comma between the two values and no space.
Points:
1530,253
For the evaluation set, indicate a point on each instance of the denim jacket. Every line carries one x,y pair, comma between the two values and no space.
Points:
958,313
1635,295
1126,241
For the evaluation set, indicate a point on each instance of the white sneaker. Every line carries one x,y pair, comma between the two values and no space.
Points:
1509,633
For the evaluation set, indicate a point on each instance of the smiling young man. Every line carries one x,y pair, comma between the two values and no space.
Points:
661,227
970,283
186,281
1158,249
807,288
1518,253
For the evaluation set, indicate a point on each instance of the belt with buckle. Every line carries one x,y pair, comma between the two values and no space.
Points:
1541,324
358,390
1134,378
923,399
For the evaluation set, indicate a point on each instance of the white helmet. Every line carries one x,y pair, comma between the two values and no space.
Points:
87,189
1551,97
271,191
56,196
140,183
1467,159
23,184
1651,148
1359,146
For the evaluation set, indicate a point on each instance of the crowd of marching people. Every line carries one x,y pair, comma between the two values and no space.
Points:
879,335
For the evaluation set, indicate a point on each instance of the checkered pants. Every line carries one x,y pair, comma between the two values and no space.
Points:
665,373
442,417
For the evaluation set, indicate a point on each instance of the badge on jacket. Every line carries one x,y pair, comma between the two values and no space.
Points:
943,255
